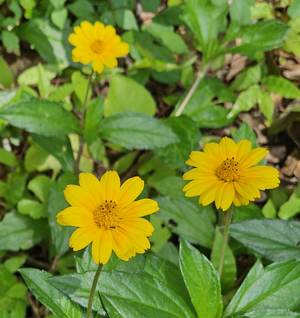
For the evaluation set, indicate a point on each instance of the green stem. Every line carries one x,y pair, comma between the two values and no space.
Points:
225,237
89,308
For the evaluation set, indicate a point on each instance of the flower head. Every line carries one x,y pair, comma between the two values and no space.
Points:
98,44
108,216
224,173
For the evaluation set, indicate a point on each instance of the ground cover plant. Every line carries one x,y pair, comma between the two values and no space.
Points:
149,158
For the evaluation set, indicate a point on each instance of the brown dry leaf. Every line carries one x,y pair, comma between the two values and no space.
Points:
291,163
237,64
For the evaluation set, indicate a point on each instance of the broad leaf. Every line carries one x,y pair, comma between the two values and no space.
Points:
202,281
41,117
275,286
272,238
20,231
133,130
142,291
187,219
126,94
271,313
57,302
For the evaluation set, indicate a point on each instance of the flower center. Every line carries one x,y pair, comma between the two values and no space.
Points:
228,170
107,216
97,46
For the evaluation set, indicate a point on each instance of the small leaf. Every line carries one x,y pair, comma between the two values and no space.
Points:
41,117
281,86
6,77
126,94
139,131
19,231
8,158
206,293
125,19
245,132
247,78
272,238
266,105
44,84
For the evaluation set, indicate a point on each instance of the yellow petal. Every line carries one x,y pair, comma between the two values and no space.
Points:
77,40
140,208
108,33
208,196
109,61
227,148
75,216
243,148
121,246
102,247
82,237
90,184
129,191
199,174
253,157
247,191
202,159
109,185
137,226
78,197
262,172
225,196
239,200
99,30
88,31
213,149
195,187
98,66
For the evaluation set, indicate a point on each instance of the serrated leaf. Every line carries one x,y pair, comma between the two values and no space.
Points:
245,101
187,220
189,136
271,313
281,86
21,232
126,94
52,298
131,288
202,281
267,287
206,20
139,131
272,238
41,117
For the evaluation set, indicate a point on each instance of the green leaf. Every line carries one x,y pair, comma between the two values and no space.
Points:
294,9
206,20
49,296
292,206
31,75
6,77
170,186
44,84
59,17
14,263
261,37
15,189
188,220
206,293
41,117
174,43
266,105
126,94
151,6
188,133
125,162
272,238
82,9
131,288
248,77
81,84
240,11
8,158
281,86
11,42
60,235
269,210
267,287
133,130
58,147
245,101
272,313
18,231
229,271
245,132
93,118
125,19
160,235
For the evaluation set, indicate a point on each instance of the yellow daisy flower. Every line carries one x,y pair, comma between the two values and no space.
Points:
108,216
98,44
224,174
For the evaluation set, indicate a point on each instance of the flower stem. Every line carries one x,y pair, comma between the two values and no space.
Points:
89,308
225,237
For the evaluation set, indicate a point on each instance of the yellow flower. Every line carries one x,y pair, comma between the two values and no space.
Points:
98,44
224,174
108,216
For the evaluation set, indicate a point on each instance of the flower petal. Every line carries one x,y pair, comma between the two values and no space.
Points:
225,196
98,66
102,247
109,61
83,236
243,148
246,190
109,186
137,226
196,187
213,149
88,31
90,184
253,157
208,196
99,30
74,216
201,159
122,246
108,33
140,208
78,197
129,191
227,148
199,174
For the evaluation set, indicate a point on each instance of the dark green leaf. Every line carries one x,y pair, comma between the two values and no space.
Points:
58,147
245,132
125,19
188,133
267,287
240,11
82,9
19,231
206,293
187,220
170,187
133,130
131,288
57,302
41,117
271,313
272,238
